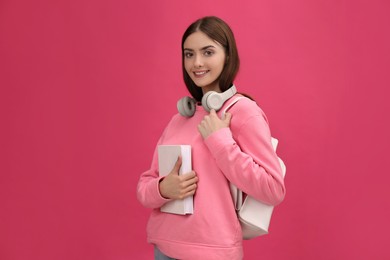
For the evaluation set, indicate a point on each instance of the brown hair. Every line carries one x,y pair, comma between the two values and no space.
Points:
218,30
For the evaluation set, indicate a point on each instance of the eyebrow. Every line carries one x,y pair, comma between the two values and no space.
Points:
203,48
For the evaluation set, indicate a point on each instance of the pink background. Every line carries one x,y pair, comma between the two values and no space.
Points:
87,87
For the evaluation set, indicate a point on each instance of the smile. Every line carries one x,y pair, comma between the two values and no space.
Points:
200,73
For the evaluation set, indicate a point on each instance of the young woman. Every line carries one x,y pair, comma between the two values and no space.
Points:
232,148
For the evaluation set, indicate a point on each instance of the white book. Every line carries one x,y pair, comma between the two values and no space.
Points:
167,157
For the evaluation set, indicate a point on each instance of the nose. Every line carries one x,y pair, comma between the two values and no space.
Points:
198,61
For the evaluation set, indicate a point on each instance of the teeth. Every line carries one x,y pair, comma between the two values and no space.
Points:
200,73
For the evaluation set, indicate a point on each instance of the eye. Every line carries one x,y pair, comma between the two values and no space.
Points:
188,55
208,53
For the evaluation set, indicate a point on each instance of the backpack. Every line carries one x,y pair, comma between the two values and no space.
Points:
253,215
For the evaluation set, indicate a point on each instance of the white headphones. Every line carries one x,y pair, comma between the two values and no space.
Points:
210,100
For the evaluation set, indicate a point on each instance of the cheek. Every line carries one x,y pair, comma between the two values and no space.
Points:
220,64
187,66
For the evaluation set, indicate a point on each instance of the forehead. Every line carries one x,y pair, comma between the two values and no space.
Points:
198,40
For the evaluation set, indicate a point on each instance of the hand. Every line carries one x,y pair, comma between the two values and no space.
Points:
212,123
175,186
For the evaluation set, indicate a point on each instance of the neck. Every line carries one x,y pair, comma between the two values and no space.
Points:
212,87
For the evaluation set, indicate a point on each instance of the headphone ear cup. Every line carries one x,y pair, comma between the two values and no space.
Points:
204,101
212,100
186,106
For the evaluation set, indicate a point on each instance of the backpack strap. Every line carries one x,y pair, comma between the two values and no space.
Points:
235,100
237,194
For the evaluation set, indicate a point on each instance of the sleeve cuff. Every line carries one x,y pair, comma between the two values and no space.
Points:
161,200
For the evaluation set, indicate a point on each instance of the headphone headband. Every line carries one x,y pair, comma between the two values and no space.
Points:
210,100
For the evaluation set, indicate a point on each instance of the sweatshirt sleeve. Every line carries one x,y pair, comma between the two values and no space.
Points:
148,192
249,162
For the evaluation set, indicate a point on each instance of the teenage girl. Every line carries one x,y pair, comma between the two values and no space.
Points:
231,148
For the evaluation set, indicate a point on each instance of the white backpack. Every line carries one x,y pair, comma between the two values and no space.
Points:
254,216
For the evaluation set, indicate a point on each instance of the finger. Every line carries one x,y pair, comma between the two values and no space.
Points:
190,188
177,166
213,113
185,195
190,182
202,131
188,176
227,118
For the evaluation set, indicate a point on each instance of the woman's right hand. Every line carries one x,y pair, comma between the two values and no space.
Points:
175,186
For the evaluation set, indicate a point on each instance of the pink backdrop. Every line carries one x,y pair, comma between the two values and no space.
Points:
88,86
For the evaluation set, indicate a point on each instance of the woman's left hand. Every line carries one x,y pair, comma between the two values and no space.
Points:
212,123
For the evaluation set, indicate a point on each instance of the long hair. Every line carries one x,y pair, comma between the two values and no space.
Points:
219,31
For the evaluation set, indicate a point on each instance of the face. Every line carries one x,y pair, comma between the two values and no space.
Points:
204,60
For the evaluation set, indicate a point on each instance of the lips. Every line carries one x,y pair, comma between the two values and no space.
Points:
200,73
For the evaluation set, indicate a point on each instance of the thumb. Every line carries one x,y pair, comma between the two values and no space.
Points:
177,166
227,118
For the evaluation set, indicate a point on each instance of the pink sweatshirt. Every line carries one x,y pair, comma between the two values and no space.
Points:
241,154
